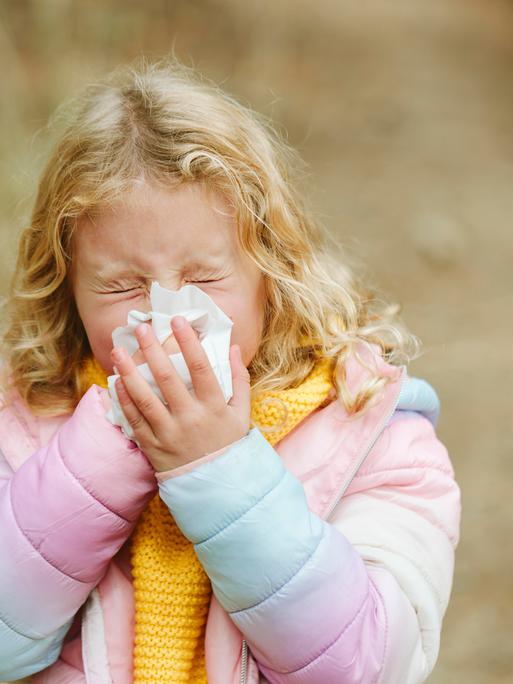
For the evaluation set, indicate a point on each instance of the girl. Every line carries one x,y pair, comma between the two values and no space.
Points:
304,531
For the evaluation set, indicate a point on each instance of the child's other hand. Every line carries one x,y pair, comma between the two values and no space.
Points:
188,427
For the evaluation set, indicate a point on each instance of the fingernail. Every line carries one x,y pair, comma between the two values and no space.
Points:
120,389
143,329
178,322
118,354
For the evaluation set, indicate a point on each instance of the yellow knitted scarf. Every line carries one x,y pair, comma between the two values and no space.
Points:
171,589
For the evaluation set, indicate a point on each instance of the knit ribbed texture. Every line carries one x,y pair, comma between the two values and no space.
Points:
171,589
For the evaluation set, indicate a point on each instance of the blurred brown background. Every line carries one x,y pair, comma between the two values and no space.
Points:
403,110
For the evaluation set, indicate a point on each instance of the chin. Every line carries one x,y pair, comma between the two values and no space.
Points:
107,366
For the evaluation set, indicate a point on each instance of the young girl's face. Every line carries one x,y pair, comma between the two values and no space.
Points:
176,236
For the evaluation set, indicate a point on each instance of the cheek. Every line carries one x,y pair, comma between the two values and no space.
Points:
247,319
99,335
99,324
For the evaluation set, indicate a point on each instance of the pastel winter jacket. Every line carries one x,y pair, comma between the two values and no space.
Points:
330,555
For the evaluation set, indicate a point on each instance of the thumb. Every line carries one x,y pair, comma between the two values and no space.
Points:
240,400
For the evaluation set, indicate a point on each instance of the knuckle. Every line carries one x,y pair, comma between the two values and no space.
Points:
145,405
199,366
218,409
192,421
136,422
166,377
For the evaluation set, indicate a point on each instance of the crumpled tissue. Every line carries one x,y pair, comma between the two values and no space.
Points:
211,323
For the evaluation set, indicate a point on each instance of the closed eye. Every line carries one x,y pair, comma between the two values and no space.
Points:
209,280
131,289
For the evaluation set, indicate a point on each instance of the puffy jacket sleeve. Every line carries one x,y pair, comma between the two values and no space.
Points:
64,514
322,601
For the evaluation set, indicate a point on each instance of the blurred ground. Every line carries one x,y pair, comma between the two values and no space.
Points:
404,111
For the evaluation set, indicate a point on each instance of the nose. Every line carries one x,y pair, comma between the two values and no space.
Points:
170,345
169,281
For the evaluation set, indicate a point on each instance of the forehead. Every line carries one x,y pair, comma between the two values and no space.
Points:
187,225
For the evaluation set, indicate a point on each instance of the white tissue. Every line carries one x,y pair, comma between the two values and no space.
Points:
203,314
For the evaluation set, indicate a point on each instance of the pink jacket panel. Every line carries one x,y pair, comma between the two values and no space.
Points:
62,521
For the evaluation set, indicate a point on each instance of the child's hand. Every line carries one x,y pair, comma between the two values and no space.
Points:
188,427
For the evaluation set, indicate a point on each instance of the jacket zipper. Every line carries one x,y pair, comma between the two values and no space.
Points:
374,439
377,433
244,663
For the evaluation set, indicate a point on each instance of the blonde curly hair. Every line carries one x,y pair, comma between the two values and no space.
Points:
163,120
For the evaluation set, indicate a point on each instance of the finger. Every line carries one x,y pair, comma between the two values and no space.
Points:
134,417
204,380
166,376
140,393
240,400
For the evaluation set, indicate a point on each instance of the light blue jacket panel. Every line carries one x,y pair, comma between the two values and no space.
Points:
419,396
232,508
21,656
